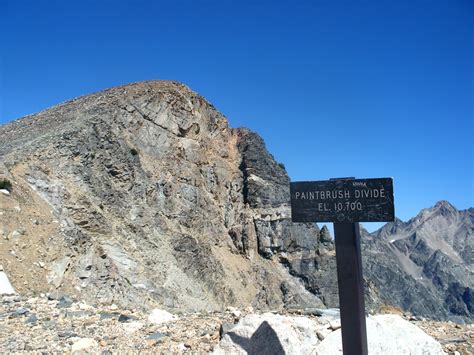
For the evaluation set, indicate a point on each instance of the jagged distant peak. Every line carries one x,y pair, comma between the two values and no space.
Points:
397,222
390,227
442,209
443,204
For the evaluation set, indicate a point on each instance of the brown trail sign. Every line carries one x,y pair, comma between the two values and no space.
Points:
346,202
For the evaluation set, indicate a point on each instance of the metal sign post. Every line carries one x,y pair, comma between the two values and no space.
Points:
351,288
345,202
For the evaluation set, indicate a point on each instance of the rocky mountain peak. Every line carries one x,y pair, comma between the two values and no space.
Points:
442,209
390,228
445,209
142,195
122,107
445,204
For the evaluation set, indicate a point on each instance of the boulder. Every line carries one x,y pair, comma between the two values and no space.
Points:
132,327
158,316
84,344
387,334
276,334
271,334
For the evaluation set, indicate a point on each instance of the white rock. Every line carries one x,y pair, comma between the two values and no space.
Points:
5,192
6,287
84,306
271,333
57,270
113,307
323,333
32,300
132,327
140,286
234,311
158,316
15,234
121,258
84,344
387,334
181,347
335,324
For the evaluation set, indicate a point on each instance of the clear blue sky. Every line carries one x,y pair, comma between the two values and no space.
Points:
336,88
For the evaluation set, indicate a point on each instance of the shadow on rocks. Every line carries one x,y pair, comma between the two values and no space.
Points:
264,341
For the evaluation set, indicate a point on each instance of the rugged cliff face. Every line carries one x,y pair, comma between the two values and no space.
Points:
143,195
307,252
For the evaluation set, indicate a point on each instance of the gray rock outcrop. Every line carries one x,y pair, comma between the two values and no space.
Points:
142,196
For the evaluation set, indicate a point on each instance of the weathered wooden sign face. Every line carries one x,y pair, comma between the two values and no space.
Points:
342,200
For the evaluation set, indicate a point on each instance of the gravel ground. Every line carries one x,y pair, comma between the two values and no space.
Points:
41,324
453,337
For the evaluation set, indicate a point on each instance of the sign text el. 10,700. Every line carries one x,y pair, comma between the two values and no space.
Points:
343,200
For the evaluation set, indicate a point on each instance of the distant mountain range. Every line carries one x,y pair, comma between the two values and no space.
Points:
425,265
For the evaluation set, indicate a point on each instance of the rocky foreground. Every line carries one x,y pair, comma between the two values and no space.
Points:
46,324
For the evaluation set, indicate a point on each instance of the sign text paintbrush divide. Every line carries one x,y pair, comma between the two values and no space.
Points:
362,200
328,195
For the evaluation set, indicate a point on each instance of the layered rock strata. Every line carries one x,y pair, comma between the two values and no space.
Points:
143,195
